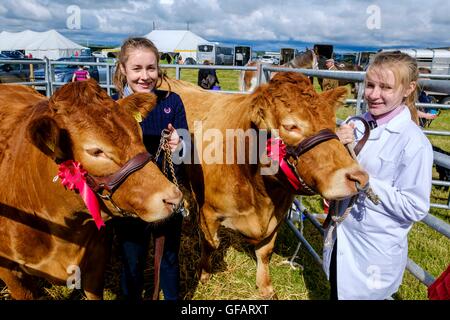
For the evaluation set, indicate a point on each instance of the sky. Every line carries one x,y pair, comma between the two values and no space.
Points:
349,25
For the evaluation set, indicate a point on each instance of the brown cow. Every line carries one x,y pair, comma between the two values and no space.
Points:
237,196
45,229
304,60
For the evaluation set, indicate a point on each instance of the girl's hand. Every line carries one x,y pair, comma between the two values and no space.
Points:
174,138
345,133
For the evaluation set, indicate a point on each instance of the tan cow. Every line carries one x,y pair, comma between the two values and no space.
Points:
304,60
237,196
45,229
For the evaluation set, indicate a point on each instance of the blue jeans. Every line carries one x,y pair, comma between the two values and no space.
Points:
134,237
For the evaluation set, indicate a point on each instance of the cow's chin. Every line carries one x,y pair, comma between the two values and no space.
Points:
161,206
158,216
155,216
343,183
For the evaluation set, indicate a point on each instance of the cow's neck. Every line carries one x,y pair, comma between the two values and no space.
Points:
29,174
276,196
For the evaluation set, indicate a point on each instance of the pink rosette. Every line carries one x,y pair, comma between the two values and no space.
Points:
73,177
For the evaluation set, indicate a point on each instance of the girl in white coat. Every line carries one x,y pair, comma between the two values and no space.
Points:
368,254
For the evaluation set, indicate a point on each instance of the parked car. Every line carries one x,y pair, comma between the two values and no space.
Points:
13,54
267,59
16,72
4,57
64,72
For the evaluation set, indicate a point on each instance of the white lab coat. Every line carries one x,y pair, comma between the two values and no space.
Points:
372,245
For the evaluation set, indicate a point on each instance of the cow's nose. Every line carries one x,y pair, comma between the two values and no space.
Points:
359,176
174,197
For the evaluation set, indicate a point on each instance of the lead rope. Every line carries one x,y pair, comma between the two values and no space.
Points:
159,241
164,146
334,207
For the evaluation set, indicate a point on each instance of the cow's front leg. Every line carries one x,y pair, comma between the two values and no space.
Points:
20,285
263,281
96,259
93,280
210,241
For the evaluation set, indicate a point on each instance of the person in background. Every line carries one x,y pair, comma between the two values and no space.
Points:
207,78
327,83
426,115
138,70
368,251
81,74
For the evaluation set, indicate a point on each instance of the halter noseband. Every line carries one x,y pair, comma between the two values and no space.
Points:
113,181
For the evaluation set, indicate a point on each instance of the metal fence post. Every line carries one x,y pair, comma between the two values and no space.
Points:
177,72
359,99
48,90
259,74
108,80
51,76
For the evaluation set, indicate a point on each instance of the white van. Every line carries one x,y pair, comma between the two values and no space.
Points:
436,60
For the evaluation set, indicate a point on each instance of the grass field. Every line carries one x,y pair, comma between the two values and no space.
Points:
235,263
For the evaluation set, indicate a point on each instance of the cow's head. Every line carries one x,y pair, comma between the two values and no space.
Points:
290,104
81,122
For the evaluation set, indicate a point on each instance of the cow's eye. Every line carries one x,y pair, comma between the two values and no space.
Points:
290,127
95,152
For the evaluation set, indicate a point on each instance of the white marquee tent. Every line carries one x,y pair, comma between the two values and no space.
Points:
50,44
183,41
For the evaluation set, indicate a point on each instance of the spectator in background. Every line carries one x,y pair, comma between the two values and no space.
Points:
239,59
426,115
81,74
327,83
207,78
180,60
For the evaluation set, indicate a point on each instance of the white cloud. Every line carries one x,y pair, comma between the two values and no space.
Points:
3,10
337,22
28,10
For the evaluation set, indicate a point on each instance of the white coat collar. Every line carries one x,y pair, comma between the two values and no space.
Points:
396,125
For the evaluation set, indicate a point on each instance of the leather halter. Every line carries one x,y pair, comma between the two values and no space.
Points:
363,140
294,178
111,182
310,142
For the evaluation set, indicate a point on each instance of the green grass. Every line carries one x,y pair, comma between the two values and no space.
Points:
235,264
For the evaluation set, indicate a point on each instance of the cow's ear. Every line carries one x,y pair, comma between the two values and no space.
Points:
139,104
261,113
46,135
335,97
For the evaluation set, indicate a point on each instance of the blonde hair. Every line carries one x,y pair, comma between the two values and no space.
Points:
137,43
405,71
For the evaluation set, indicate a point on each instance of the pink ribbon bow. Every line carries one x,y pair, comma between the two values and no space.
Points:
73,176
276,150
